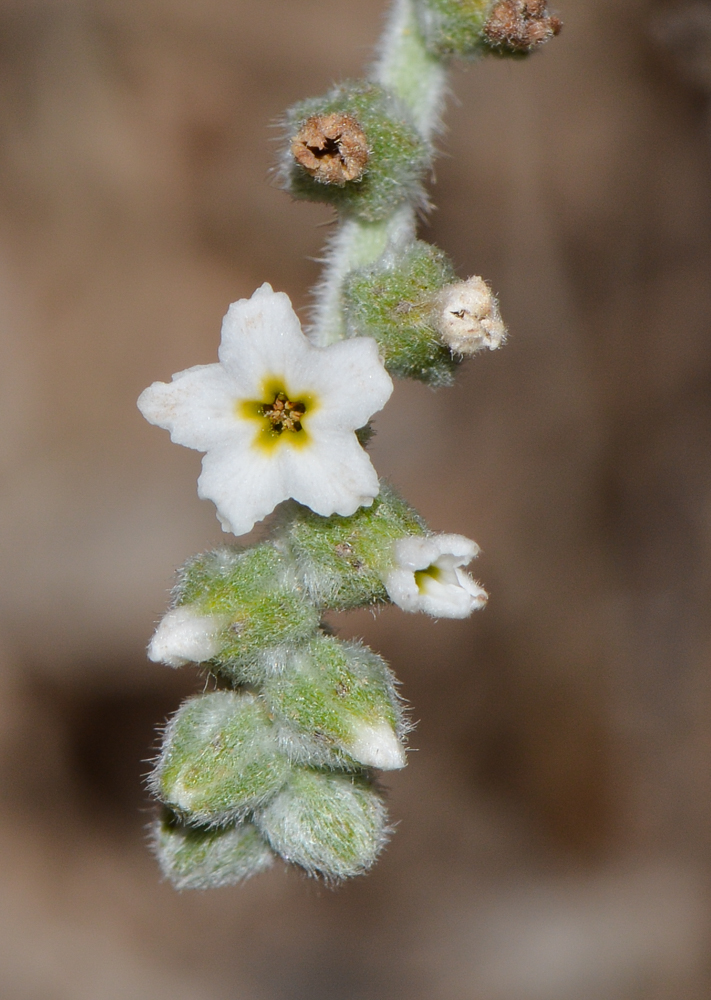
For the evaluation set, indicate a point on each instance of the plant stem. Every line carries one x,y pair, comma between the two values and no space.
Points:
407,70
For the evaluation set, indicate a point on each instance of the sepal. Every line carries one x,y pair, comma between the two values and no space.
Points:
256,597
396,302
336,705
219,760
205,858
341,560
453,27
394,158
333,825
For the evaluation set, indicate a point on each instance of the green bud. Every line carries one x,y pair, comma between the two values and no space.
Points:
332,825
220,759
336,704
199,858
395,301
258,594
342,560
355,149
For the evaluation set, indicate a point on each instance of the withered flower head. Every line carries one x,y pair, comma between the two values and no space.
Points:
520,25
332,148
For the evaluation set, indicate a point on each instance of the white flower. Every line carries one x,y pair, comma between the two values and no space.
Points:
428,576
186,636
276,415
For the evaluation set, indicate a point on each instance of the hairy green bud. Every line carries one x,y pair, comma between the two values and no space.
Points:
220,759
258,598
356,149
204,858
333,825
336,704
395,302
342,560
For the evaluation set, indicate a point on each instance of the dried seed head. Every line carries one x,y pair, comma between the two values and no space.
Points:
332,148
520,25
467,317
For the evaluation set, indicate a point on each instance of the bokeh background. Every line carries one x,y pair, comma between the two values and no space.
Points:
554,837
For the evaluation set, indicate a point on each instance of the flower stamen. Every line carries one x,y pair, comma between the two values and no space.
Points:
283,414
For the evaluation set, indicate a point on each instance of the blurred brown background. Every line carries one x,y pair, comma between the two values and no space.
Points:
554,837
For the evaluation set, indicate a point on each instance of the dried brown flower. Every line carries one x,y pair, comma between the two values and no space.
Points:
520,25
332,148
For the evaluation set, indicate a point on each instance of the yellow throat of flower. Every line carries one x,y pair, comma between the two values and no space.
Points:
281,416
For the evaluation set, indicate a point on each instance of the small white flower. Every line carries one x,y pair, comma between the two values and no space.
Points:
276,415
428,576
186,636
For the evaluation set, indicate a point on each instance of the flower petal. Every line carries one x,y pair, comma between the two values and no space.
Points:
403,590
184,635
376,745
261,338
197,407
334,476
446,600
444,589
349,380
245,485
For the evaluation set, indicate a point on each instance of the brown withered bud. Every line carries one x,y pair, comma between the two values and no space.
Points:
520,25
332,148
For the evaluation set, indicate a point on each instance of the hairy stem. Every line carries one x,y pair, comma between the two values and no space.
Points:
418,79
408,70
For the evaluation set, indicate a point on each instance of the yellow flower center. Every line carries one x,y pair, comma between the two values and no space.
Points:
284,414
425,576
279,414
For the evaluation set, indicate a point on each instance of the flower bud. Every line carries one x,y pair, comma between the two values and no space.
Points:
355,149
336,704
186,636
200,858
467,317
235,603
219,759
341,560
395,302
427,575
376,745
333,825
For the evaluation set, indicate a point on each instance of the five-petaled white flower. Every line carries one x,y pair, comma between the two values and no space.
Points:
276,416
428,576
